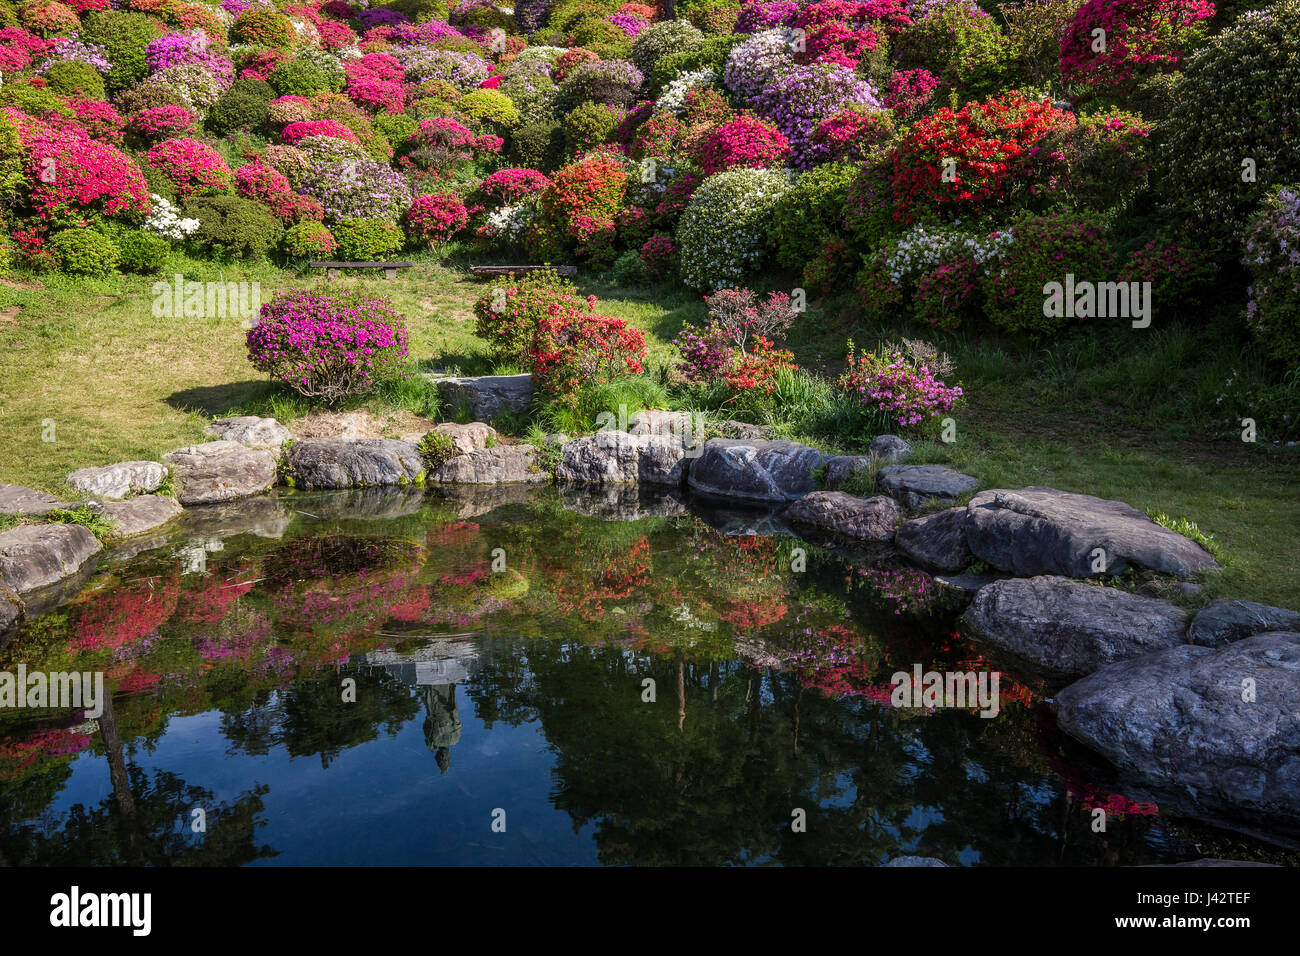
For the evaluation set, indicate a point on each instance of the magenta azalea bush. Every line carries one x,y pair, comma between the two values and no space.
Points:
328,346
897,384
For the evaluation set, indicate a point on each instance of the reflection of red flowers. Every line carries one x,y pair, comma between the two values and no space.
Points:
17,755
755,614
212,601
616,577
126,613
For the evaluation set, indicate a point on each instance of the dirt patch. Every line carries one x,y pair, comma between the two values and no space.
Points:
9,316
360,424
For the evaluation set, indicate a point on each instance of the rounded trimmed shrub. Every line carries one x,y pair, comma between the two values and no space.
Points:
664,39
84,252
232,226
810,213
722,231
367,240
143,253
307,240
436,217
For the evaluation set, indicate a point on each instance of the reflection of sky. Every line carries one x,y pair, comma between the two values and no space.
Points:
382,803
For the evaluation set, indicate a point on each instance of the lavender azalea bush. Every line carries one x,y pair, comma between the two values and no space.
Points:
328,346
350,185
752,64
797,99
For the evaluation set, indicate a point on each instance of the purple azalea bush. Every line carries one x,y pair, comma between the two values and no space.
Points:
797,99
328,346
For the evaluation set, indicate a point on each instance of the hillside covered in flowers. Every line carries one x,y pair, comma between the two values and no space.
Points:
940,160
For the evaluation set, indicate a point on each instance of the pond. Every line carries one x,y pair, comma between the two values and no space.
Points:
354,679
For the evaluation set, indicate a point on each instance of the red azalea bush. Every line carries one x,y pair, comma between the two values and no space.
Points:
990,141
850,134
574,351
327,346
333,35
378,96
744,141
71,175
299,131
838,43
509,312
192,167
580,204
1142,37
375,66
570,60
436,217
161,122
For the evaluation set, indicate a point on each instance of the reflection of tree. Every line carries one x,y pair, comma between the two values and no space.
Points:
155,832
310,717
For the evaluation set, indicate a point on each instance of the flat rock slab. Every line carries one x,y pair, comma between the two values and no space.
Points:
353,463
1071,627
1177,718
468,437
1222,622
503,464
614,457
1044,531
118,481
867,519
937,540
743,430
138,515
757,469
914,485
914,861
487,396
37,556
251,431
17,500
220,471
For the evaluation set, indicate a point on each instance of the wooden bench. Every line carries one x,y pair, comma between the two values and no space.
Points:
332,268
489,272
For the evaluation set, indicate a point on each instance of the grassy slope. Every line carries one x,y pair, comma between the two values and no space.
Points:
121,384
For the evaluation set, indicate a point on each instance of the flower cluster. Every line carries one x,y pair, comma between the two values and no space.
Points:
895,383
437,217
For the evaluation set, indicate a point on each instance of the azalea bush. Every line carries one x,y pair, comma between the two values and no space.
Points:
1141,37
436,218
901,382
509,312
328,346
1272,254
722,233
575,351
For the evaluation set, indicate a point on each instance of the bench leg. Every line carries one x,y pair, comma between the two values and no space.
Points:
390,273
331,273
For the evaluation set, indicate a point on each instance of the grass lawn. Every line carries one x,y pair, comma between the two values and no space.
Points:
118,383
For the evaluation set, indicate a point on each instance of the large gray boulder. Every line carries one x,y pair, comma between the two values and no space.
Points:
841,468
1072,627
889,448
220,471
681,426
17,500
353,463
469,437
501,464
936,540
138,515
742,430
118,481
758,469
866,519
1219,723
250,430
486,396
37,556
615,457
1222,622
1044,531
914,485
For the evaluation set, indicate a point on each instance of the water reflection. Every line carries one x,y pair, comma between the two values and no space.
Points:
644,691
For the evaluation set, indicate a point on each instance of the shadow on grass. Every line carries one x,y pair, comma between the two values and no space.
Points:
214,401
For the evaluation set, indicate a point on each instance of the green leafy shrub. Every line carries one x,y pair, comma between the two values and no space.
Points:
367,240
124,36
395,127
810,213
509,311
299,77
663,39
84,252
242,108
437,449
74,78
491,107
1043,250
591,124
232,226
538,146
960,45
1272,241
1232,133
143,253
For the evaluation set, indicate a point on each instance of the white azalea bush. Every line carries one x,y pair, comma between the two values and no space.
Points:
165,220
723,231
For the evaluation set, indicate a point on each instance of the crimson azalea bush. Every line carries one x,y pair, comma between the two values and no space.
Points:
574,351
744,141
1141,37
328,346
436,218
508,313
578,208
194,168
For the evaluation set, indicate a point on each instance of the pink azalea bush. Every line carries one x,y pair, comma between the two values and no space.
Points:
328,346
744,141
897,385
436,217
192,167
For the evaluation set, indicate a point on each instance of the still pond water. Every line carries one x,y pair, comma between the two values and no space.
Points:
497,656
